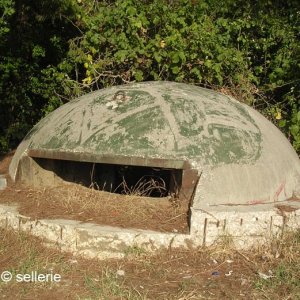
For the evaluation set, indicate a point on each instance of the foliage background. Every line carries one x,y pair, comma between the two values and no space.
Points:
53,51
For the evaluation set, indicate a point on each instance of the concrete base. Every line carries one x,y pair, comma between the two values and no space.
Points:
240,225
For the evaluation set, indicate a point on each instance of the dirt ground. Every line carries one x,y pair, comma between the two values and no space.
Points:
76,202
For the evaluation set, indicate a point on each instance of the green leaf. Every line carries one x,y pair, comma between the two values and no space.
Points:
196,71
282,123
175,70
208,63
38,51
175,58
157,56
137,23
139,75
295,130
182,56
121,55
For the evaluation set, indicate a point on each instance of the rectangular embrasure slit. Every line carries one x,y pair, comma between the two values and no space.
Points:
121,179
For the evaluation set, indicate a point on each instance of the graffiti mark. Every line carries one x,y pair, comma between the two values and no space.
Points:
278,191
257,201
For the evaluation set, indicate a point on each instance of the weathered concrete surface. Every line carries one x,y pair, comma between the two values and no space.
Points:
168,120
3,182
243,227
241,156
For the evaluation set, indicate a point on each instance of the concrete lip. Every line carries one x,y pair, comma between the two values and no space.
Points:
230,162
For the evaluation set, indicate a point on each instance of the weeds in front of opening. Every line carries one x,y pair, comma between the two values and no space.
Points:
145,187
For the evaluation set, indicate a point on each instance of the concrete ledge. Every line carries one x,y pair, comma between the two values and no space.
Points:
245,225
92,240
89,239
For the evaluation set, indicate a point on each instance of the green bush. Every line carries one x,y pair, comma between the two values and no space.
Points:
249,49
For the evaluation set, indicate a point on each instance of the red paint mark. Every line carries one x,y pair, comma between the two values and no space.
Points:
285,194
279,190
258,201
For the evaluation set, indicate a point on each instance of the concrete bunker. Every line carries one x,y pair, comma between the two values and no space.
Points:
230,162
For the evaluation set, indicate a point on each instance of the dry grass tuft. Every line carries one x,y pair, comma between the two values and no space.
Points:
145,187
76,202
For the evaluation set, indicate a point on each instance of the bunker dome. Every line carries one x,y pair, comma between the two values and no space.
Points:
218,151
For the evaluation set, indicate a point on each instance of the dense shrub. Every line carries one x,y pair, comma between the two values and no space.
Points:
33,36
249,49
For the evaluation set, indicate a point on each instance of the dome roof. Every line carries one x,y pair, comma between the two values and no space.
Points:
242,157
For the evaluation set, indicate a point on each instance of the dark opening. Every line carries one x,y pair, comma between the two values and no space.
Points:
121,179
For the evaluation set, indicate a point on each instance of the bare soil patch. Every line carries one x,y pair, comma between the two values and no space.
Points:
76,202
